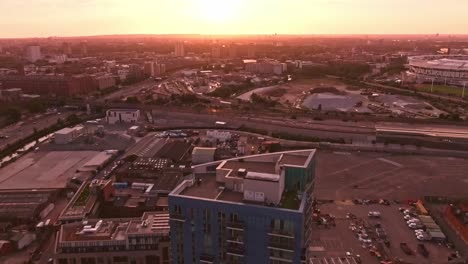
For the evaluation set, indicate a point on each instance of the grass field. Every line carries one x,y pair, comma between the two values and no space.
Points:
445,90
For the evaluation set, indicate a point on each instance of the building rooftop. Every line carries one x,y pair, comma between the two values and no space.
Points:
115,229
455,62
68,130
99,160
289,159
208,188
123,110
44,169
235,165
150,163
174,150
203,151
23,203
263,169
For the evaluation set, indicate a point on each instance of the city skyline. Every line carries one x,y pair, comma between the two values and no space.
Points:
209,17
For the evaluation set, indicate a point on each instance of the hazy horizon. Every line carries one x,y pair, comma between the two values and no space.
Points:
64,18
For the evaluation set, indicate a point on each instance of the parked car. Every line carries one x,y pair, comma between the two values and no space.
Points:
413,221
423,238
408,217
415,226
374,214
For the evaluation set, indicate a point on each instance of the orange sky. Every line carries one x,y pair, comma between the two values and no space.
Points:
41,18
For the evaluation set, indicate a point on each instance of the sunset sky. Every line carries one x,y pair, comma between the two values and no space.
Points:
42,18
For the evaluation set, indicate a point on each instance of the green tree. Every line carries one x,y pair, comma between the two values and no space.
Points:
36,107
73,119
12,114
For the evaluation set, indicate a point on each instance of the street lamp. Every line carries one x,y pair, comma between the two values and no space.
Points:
463,92
432,85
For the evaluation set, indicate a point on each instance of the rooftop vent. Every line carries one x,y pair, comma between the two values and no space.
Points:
241,172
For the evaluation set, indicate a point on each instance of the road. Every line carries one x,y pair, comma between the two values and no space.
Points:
349,133
128,90
26,128
246,96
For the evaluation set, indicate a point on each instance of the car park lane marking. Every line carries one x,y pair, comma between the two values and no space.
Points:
391,162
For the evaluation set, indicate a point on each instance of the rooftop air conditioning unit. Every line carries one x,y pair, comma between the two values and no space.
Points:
241,172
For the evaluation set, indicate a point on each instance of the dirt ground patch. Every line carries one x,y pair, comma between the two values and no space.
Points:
294,92
330,89
278,92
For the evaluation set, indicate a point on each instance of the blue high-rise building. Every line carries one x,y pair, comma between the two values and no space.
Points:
251,209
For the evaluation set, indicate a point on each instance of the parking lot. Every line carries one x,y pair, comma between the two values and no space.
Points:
335,241
380,175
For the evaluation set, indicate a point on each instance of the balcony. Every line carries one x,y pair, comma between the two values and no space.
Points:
281,259
177,217
288,247
206,258
235,250
235,226
280,233
236,240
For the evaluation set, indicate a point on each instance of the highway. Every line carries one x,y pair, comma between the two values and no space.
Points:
126,91
460,132
323,130
26,128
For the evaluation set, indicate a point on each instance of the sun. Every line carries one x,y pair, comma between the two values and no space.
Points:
217,10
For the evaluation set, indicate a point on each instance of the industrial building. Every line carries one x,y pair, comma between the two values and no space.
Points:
203,155
67,135
25,204
114,116
142,240
252,209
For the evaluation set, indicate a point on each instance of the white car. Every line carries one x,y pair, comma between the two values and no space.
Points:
423,238
374,214
407,212
408,217
415,226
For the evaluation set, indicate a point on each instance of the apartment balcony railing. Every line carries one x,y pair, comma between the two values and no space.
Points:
235,225
206,258
235,250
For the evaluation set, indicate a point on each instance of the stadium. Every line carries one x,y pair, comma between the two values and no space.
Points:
444,69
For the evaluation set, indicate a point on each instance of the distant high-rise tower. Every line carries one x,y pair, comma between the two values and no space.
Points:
84,48
179,49
232,51
251,51
66,48
216,51
33,53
